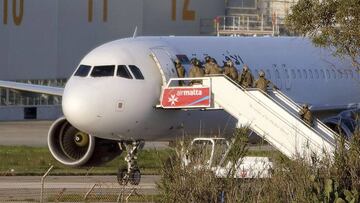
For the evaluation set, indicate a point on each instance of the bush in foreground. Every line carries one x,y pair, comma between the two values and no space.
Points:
334,179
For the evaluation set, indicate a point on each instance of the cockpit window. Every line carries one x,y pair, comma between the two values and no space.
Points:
103,71
82,71
123,71
136,72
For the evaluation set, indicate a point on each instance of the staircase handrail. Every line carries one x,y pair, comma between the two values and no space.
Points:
279,116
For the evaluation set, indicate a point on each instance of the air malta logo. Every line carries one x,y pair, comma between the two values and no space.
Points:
185,97
173,100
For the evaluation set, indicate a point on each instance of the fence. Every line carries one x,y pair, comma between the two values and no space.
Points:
247,25
73,189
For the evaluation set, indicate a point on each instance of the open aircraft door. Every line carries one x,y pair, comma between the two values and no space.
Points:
165,64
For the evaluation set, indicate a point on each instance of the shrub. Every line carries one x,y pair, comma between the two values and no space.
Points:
332,179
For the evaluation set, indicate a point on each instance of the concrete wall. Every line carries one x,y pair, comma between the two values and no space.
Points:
178,17
47,38
52,36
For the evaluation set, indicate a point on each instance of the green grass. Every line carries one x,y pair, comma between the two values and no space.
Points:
22,160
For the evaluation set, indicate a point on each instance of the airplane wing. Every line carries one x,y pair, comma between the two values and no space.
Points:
57,91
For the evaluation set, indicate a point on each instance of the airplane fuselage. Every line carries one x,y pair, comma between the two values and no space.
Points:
123,108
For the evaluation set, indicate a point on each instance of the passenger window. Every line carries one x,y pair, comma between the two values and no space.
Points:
333,73
123,72
268,73
103,71
277,74
316,74
82,71
293,75
287,74
305,74
299,73
136,72
327,74
322,73
310,74
339,74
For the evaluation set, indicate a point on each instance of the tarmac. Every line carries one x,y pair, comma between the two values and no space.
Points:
34,134
28,133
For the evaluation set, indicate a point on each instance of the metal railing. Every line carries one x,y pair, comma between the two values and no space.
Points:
82,188
324,141
327,135
246,25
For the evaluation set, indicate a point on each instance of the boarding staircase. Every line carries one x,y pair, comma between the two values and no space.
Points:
272,115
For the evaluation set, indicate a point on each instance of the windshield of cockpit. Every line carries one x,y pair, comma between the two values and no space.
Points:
123,71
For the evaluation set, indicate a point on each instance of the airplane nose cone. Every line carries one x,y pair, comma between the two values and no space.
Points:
81,106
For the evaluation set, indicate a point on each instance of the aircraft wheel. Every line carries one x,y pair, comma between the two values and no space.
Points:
135,177
122,176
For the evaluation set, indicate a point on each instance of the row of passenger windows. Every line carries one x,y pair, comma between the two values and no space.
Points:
109,71
311,74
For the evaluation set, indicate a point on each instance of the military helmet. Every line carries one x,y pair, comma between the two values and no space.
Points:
305,106
262,73
192,60
229,63
177,61
197,62
207,58
246,67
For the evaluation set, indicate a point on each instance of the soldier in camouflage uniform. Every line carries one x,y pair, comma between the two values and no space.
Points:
207,65
263,83
306,115
213,68
230,70
180,71
196,71
246,79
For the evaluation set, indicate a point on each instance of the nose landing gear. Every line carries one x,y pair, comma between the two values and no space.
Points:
132,173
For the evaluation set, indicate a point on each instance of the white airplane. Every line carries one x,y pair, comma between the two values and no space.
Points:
111,98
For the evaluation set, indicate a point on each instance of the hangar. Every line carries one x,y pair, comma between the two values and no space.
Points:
43,41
